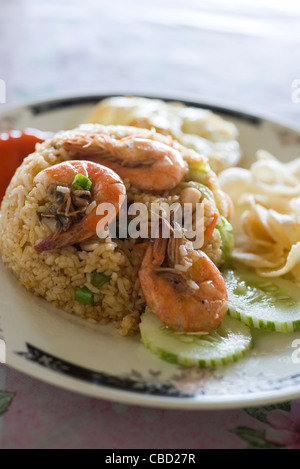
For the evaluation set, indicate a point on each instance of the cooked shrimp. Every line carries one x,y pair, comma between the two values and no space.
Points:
77,209
183,287
148,165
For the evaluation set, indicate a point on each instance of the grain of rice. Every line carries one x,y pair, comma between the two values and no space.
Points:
181,268
91,207
193,285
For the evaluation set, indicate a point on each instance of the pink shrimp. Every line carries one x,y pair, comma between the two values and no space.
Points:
149,165
79,207
186,292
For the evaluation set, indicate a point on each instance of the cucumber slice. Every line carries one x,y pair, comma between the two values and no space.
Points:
229,342
272,304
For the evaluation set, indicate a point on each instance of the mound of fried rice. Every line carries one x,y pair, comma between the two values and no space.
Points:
56,275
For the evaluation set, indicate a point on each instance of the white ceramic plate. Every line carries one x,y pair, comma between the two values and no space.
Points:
48,344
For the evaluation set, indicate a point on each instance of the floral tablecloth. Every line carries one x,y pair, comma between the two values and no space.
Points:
40,416
243,55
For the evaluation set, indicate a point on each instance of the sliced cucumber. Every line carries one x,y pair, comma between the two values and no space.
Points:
229,342
271,304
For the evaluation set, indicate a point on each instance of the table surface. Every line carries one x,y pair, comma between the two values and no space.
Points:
245,56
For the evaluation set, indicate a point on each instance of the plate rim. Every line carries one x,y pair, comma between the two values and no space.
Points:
201,402
217,106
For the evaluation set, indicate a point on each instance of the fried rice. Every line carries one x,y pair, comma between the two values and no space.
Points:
56,275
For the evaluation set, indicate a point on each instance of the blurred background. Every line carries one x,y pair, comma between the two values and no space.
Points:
240,53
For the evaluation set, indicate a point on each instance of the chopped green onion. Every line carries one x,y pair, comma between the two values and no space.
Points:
84,295
198,172
99,279
82,183
227,239
203,167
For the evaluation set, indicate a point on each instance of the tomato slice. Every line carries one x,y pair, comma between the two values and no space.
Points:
14,147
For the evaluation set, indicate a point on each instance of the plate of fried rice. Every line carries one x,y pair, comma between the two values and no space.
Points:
97,300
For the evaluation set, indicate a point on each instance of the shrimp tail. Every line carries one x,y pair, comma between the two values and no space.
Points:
75,235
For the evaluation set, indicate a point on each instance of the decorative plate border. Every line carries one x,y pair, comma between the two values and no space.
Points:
46,106
187,383
125,383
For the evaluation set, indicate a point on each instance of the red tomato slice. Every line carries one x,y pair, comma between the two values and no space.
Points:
14,147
